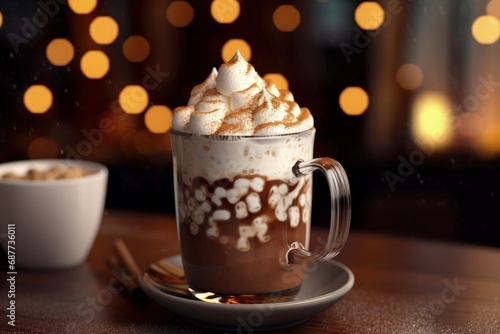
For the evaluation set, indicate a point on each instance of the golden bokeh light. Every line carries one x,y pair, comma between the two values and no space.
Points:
410,76
103,30
225,11
369,15
94,64
82,6
486,29
158,119
180,13
279,80
231,46
488,141
133,99
432,119
43,148
1,19
286,18
493,8
60,52
136,48
38,99
354,101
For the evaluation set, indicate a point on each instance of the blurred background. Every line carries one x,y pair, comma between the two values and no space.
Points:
405,94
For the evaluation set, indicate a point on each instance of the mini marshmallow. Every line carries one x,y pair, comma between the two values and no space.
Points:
261,227
198,216
257,184
253,202
233,195
213,232
200,194
294,214
194,228
219,193
243,244
191,204
283,189
280,211
274,196
221,215
205,206
242,185
302,200
241,210
247,231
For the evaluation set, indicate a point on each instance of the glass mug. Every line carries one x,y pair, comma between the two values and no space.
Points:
243,210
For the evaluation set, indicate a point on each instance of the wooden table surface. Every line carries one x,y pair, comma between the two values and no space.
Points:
402,286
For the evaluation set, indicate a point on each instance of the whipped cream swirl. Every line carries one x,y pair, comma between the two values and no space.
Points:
235,100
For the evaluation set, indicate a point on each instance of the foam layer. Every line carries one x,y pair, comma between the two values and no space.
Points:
235,100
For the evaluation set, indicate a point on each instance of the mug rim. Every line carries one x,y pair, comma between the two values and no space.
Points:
179,133
99,171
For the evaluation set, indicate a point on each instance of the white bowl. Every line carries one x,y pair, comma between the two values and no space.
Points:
55,221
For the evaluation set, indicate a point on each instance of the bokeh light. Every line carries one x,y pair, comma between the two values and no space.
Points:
133,99
225,11
158,119
82,6
1,19
432,118
43,148
38,99
410,76
180,13
231,46
354,101
103,30
493,8
60,52
279,80
488,141
136,48
286,18
369,15
94,64
486,29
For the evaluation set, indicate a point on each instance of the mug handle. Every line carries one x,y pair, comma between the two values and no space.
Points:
340,197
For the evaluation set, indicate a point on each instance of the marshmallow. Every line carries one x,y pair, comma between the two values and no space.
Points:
242,185
219,193
198,216
233,195
253,202
200,194
221,215
294,214
257,184
241,210
242,244
194,228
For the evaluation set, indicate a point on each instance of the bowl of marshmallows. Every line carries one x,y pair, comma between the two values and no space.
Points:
50,211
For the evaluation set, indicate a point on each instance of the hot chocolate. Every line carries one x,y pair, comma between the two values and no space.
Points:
239,210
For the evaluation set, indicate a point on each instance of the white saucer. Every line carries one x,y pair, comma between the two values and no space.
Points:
325,284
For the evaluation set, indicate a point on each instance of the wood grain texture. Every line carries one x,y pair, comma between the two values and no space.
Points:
402,285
